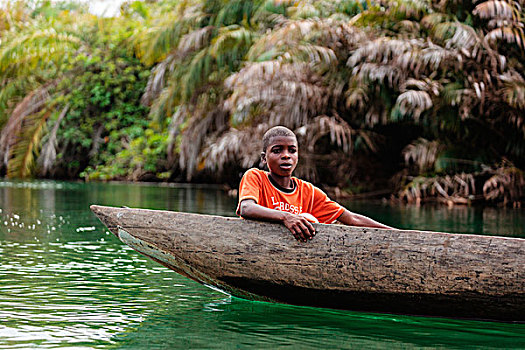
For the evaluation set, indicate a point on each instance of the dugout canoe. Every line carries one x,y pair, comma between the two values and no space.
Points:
360,269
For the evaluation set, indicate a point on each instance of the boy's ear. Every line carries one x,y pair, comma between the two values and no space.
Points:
263,157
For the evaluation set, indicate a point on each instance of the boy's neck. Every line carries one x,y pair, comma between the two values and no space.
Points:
283,181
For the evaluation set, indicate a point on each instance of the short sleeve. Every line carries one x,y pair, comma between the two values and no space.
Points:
250,187
324,209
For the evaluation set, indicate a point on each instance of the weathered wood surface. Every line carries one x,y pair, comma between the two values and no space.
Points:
362,269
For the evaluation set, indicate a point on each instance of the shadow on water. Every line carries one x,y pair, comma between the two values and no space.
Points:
232,322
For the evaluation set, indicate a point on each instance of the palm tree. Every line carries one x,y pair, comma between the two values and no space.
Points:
63,78
194,48
33,55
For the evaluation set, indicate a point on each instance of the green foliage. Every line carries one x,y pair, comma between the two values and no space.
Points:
174,87
142,159
95,75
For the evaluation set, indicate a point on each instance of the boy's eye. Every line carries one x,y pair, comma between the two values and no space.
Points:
276,150
293,150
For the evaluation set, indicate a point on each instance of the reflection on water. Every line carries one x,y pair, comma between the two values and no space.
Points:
66,282
459,219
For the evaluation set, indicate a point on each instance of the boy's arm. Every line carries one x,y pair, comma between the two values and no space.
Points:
301,228
353,219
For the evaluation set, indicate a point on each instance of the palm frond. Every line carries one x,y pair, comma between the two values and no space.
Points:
22,154
166,102
291,93
194,41
449,189
341,134
514,90
414,102
159,40
329,33
409,9
357,97
423,154
456,35
48,153
31,48
30,105
433,19
507,185
231,44
157,79
235,11
235,145
192,140
388,74
508,34
177,120
382,50
495,9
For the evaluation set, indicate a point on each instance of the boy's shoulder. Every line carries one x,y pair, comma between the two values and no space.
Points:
304,184
254,172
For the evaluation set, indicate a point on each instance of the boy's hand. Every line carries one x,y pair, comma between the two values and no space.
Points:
300,227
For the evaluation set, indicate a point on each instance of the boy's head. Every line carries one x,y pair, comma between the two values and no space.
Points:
276,131
280,151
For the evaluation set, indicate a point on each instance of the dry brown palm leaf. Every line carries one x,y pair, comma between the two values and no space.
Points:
357,97
408,28
495,9
382,50
424,84
514,90
194,41
241,146
423,154
30,105
48,154
22,153
389,74
156,81
339,130
450,189
414,102
291,93
178,118
457,35
509,34
193,138
507,185
331,34
432,19
435,57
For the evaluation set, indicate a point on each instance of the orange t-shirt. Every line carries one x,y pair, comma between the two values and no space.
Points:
305,198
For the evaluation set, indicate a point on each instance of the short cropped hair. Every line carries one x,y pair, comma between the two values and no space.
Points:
276,131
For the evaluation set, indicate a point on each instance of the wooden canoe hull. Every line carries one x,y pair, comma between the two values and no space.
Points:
361,269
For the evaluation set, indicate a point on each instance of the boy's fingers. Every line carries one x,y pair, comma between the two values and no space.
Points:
308,229
305,232
311,228
295,233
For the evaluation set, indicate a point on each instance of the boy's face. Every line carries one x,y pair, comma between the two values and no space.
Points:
281,155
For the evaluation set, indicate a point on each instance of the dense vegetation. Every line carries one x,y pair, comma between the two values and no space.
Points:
426,98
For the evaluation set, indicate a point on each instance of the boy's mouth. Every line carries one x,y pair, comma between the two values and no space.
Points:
285,166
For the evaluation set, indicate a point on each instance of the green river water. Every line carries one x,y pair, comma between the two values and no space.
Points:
65,282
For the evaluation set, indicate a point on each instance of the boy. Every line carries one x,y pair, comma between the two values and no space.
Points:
277,196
